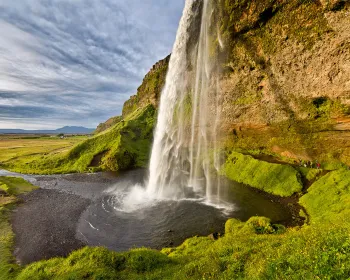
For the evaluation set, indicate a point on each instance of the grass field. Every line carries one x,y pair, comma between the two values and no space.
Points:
27,148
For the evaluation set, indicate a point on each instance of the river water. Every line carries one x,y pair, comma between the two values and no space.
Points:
155,223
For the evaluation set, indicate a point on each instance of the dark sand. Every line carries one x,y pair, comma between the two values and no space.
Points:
45,225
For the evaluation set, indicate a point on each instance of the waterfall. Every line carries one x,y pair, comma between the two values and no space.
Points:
184,152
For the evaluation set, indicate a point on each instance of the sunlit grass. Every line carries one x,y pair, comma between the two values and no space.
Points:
26,150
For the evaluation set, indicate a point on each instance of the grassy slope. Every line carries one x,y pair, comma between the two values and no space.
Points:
123,146
12,186
329,197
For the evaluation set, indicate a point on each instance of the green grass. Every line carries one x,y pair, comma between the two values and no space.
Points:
256,249
309,174
328,198
278,179
22,148
125,145
12,186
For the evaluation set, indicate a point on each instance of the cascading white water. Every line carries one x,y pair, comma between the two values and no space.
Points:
187,126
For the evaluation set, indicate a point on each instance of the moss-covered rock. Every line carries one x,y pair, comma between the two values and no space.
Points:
328,199
285,76
150,89
278,179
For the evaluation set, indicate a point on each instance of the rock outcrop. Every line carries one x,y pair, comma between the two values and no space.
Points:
150,89
286,80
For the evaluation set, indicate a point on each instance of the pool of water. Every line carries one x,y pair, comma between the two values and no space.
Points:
154,223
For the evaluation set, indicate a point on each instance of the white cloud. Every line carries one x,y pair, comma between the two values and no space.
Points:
82,58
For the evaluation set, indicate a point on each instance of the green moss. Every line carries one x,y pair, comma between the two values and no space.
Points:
282,180
309,174
328,198
232,225
98,263
248,98
262,225
15,186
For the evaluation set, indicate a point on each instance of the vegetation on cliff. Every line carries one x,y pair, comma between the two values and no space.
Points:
125,145
150,89
328,199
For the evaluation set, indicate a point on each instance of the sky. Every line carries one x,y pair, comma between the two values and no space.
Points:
75,62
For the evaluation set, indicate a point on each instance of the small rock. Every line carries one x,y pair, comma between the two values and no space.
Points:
214,236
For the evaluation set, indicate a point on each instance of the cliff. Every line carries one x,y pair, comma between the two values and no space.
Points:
285,78
150,89
285,82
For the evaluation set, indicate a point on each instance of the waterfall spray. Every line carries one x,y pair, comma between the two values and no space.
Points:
189,113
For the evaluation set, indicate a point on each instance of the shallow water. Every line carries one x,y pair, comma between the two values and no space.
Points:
149,223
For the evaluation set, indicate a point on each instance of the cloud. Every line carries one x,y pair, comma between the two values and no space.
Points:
75,62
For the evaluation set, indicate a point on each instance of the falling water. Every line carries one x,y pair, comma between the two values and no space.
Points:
184,153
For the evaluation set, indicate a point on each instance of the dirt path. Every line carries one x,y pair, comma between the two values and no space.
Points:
45,225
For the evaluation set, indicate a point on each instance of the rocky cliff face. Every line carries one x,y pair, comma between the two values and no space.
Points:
286,86
150,89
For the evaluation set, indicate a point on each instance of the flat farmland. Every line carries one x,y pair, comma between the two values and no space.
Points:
31,147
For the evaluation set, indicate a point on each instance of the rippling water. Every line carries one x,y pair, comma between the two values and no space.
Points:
121,216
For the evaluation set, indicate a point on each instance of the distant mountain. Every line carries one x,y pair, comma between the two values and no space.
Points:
64,130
